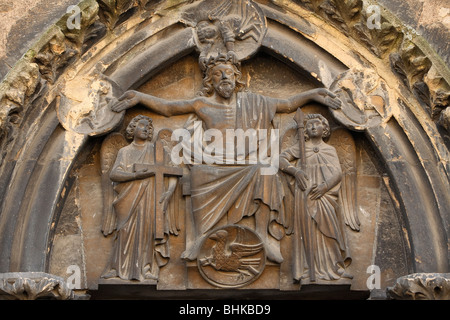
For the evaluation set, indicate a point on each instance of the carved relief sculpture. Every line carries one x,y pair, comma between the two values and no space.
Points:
320,249
234,28
231,257
367,150
233,191
138,212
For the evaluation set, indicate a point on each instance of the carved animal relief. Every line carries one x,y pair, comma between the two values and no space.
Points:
238,215
217,144
241,214
231,257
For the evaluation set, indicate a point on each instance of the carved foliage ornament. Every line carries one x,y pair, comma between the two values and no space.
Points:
32,286
18,92
417,70
352,16
421,286
422,77
236,27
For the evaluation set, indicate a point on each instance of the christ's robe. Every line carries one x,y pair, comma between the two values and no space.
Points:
237,191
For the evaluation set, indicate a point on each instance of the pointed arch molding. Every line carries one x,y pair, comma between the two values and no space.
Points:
125,43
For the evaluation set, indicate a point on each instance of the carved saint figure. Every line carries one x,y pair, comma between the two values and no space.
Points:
323,253
231,257
139,252
234,191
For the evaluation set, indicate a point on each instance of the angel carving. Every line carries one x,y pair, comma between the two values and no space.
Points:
136,200
323,198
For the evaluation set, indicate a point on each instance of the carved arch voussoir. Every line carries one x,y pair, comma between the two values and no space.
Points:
60,49
411,59
350,16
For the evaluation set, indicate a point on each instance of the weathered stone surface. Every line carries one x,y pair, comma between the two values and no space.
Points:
362,185
430,19
421,286
22,24
33,286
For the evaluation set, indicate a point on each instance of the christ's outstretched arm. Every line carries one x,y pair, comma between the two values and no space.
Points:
161,106
321,95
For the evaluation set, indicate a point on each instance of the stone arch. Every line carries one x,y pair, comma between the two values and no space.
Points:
128,45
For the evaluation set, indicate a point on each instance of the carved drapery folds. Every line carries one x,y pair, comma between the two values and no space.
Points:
140,212
53,55
33,286
83,83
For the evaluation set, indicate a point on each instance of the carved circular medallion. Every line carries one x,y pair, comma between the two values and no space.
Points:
220,22
231,257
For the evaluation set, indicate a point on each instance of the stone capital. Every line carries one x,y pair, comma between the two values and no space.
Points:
421,286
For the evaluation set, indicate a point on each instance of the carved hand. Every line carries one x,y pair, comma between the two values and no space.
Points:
301,179
326,97
166,197
127,100
232,56
318,191
143,174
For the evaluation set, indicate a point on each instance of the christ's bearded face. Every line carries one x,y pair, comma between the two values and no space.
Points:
224,80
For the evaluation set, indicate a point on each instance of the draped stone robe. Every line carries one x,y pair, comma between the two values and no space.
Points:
236,190
324,224
137,254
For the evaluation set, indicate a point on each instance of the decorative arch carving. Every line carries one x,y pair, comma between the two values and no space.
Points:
50,107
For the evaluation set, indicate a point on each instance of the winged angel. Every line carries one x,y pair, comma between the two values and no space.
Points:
322,192
130,201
